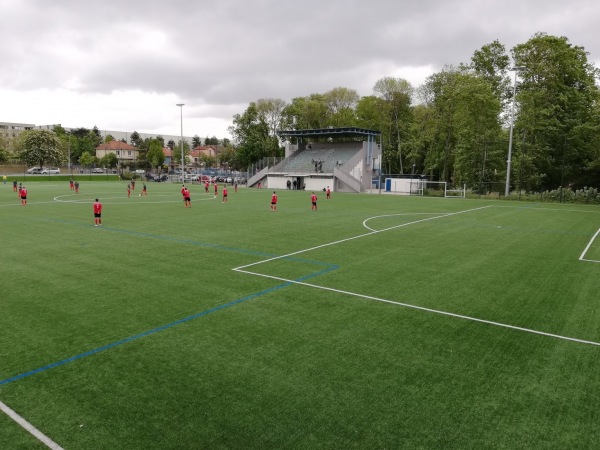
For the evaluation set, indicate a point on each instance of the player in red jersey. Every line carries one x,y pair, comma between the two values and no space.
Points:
274,201
313,201
97,213
206,185
144,190
216,188
187,200
128,190
23,195
224,193
328,192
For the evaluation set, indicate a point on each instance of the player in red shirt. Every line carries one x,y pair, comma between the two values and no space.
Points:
144,190
187,201
216,188
328,192
225,193
23,195
274,201
97,213
313,201
206,184
128,190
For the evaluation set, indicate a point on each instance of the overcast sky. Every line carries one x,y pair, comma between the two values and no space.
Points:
123,65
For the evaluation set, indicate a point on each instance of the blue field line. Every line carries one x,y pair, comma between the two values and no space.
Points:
162,328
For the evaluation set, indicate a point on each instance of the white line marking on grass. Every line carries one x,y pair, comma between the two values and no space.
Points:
581,258
30,428
395,215
430,310
359,236
406,305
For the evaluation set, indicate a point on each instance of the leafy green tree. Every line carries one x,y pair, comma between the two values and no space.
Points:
306,113
109,160
109,138
251,133
196,141
396,94
341,103
86,159
557,100
41,146
135,139
155,155
171,144
271,111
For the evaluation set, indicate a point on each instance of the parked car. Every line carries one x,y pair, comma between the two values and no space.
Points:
52,171
97,170
35,170
163,177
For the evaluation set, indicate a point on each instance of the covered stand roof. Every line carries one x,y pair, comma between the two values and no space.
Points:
328,132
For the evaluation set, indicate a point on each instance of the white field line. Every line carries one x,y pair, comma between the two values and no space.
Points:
357,237
581,258
406,305
30,428
430,310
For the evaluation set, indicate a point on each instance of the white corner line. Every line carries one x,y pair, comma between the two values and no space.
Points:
30,428
359,236
430,310
588,247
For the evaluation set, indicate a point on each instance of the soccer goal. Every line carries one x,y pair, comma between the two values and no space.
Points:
441,189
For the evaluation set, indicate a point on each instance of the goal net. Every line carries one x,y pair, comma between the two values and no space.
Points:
424,188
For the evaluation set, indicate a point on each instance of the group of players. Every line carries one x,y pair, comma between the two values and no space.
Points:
187,201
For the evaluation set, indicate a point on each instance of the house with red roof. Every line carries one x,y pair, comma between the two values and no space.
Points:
123,151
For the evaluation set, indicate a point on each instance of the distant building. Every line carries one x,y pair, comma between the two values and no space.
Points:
11,130
124,152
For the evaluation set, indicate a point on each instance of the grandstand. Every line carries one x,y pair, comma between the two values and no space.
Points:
315,160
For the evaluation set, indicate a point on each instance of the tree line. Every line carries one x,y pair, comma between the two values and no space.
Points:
455,127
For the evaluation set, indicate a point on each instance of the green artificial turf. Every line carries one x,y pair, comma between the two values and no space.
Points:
349,327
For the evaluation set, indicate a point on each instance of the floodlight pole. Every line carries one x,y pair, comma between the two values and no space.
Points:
181,142
510,136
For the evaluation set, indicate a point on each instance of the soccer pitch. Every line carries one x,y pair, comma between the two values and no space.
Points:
377,321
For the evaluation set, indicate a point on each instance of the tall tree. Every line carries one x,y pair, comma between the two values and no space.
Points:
41,146
341,103
135,139
155,155
396,94
557,99
251,134
196,141
271,111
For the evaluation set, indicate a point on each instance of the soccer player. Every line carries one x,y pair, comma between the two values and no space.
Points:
328,192
313,201
23,195
187,200
15,186
97,213
206,185
133,185
77,187
128,190
144,190
71,184
225,193
216,189
274,201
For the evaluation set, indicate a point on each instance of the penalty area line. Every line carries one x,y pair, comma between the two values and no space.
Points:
29,428
581,258
425,309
